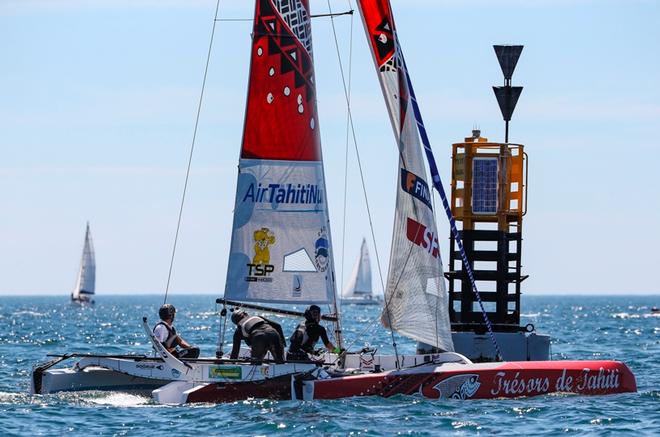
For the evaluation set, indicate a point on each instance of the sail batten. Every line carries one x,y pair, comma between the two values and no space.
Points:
415,296
281,249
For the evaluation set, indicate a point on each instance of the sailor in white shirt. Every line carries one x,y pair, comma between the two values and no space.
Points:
166,333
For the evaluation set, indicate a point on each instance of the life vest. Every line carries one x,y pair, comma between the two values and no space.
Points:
247,325
171,334
301,333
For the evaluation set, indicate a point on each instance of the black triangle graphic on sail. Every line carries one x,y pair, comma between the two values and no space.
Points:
309,88
273,47
507,98
384,48
286,66
299,80
306,64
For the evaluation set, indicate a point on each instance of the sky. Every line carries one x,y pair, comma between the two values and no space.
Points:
98,102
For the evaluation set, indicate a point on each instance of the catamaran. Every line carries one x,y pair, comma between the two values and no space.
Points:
358,289
282,253
85,283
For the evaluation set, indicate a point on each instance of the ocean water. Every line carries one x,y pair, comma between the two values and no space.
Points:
582,327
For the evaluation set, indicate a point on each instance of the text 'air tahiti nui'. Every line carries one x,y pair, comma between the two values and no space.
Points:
284,194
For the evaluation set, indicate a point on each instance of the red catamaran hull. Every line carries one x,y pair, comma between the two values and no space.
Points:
275,388
447,381
483,381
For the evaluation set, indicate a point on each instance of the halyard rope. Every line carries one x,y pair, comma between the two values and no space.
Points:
192,149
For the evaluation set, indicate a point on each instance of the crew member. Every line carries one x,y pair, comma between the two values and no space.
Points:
261,334
306,335
165,332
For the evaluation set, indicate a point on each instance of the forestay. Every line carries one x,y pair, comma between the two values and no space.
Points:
416,296
87,273
281,249
359,284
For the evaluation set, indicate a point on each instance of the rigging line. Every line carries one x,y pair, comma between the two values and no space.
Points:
343,236
192,149
437,183
364,188
337,14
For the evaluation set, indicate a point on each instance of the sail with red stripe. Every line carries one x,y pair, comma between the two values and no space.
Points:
281,248
416,295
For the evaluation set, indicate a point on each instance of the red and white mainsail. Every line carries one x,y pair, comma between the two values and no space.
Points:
416,295
281,249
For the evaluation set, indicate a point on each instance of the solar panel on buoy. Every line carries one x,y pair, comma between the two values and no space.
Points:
484,186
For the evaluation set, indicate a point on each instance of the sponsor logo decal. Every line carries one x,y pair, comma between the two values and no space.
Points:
603,380
574,381
423,237
228,372
416,187
455,387
513,384
297,286
260,268
321,250
175,373
145,366
265,370
291,194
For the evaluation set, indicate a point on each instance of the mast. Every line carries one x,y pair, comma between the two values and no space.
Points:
281,247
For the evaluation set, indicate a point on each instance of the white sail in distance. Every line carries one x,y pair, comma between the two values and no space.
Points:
359,283
86,281
416,297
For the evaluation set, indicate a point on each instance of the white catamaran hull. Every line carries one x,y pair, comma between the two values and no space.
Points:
93,378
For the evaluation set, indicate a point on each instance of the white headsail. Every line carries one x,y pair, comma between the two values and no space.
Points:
87,274
415,297
359,284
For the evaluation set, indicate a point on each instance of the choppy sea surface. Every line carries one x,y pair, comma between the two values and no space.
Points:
582,327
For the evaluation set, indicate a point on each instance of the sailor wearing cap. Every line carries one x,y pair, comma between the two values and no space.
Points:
165,332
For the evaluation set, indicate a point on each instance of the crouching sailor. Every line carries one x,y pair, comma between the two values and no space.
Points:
304,338
261,334
165,332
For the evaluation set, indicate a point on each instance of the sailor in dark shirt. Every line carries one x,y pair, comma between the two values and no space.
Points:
261,334
306,335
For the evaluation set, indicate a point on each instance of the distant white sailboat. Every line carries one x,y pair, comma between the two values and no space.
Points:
358,289
84,289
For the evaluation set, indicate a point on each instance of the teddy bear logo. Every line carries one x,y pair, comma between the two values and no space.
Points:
263,239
